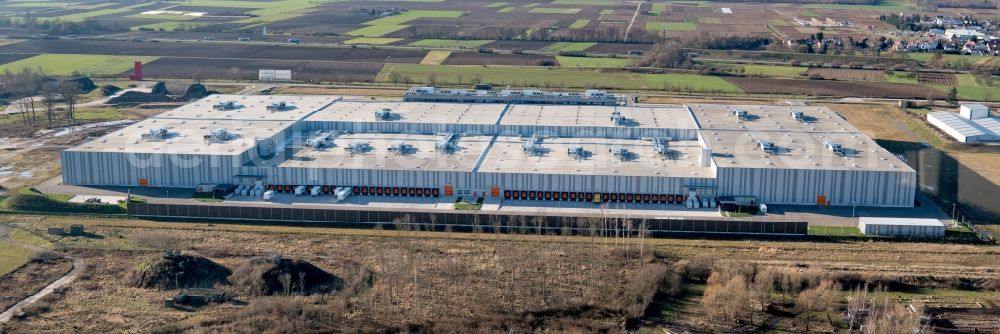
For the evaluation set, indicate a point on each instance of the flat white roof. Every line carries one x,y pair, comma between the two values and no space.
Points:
957,123
974,105
901,221
251,107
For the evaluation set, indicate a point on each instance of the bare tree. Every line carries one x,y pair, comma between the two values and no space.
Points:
70,92
395,77
431,79
49,99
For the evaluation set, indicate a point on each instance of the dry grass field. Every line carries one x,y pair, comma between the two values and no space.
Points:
483,282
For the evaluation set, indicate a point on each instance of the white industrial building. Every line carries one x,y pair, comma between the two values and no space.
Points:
901,227
776,154
972,124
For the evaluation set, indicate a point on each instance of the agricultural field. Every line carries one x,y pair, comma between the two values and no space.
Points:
592,62
845,74
568,46
436,57
556,78
372,40
834,88
449,43
68,64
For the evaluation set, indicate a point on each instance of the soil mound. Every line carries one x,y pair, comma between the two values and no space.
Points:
175,271
278,276
195,91
160,88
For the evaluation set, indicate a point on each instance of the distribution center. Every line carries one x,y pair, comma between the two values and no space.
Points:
804,155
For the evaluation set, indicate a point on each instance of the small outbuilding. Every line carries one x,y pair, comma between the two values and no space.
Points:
901,227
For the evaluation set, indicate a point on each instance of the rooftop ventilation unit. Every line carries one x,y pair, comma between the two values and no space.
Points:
280,106
226,105
661,145
383,114
617,118
766,146
577,152
321,140
798,116
620,153
156,134
835,148
219,135
532,146
357,147
400,148
741,114
447,145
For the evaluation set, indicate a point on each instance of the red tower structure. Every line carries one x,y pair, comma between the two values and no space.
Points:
136,72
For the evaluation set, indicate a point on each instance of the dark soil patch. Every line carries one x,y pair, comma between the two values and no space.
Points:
10,58
470,58
310,71
178,271
269,276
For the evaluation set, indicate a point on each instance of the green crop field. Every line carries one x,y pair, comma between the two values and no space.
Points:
675,26
89,14
774,70
385,25
579,24
413,15
549,10
170,26
376,31
592,62
66,64
969,87
372,40
451,43
556,77
901,77
568,46
658,8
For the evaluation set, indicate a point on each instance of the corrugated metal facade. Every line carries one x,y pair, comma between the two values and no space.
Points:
477,181
805,186
160,170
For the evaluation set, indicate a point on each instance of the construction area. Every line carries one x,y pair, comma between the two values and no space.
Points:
547,159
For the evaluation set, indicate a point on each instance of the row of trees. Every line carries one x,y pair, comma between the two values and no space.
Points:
739,294
31,91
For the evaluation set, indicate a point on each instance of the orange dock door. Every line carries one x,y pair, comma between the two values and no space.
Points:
495,191
448,190
143,182
821,200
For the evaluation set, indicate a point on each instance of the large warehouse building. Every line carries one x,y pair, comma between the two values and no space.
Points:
772,154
